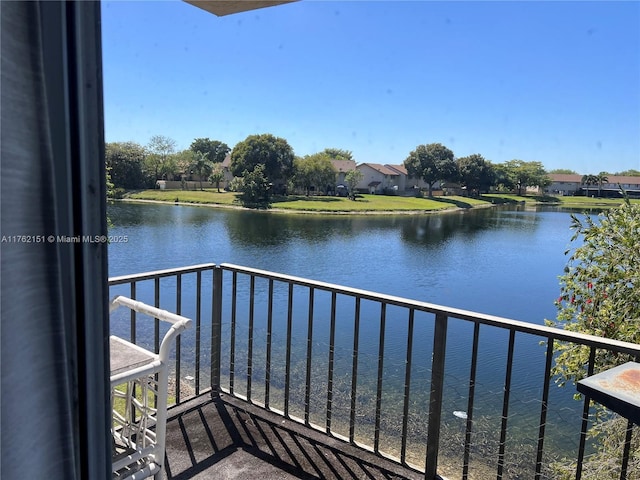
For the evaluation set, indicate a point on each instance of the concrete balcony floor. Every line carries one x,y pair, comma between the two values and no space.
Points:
228,439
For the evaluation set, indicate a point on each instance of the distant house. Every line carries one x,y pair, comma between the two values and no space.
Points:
563,184
342,167
406,181
378,178
571,184
630,184
226,170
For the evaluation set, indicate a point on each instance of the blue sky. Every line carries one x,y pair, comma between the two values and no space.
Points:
555,82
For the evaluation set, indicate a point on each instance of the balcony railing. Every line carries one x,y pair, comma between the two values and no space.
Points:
377,371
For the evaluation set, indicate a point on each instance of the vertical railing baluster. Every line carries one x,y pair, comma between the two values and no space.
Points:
627,444
376,431
354,371
267,373
332,344
133,337
407,387
133,322
198,326
472,389
332,339
216,330
435,397
505,403
156,322
287,371
585,417
307,382
232,347
156,329
252,292
626,451
544,408
178,343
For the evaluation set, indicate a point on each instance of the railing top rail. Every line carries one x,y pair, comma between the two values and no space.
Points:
550,333
136,277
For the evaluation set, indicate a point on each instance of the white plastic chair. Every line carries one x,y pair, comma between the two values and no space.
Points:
137,376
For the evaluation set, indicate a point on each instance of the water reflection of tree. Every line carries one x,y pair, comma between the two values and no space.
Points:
271,229
436,229
133,214
266,229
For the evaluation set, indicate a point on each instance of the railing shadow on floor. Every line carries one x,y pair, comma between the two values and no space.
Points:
226,438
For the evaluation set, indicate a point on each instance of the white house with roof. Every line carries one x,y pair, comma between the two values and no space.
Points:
226,170
377,178
407,182
342,167
571,184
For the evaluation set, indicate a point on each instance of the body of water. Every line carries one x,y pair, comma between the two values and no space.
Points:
503,262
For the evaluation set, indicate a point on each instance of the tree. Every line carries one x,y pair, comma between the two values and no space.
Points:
504,179
160,149
216,150
183,161
202,166
314,171
273,153
602,179
338,154
217,175
589,180
169,168
600,295
125,161
111,190
432,163
629,173
565,171
476,174
352,178
255,188
523,174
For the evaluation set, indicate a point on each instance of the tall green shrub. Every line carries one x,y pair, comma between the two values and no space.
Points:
600,295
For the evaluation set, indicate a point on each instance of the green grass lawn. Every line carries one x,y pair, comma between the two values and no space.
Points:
592,202
371,203
363,203
527,199
208,196
561,201
366,203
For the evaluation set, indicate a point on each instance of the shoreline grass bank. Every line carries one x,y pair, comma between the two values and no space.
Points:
365,204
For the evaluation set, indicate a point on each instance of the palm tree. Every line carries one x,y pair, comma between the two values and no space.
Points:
202,166
217,175
602,178
589,180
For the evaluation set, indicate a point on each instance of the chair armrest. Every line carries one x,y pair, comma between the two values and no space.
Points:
179,323
178,320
